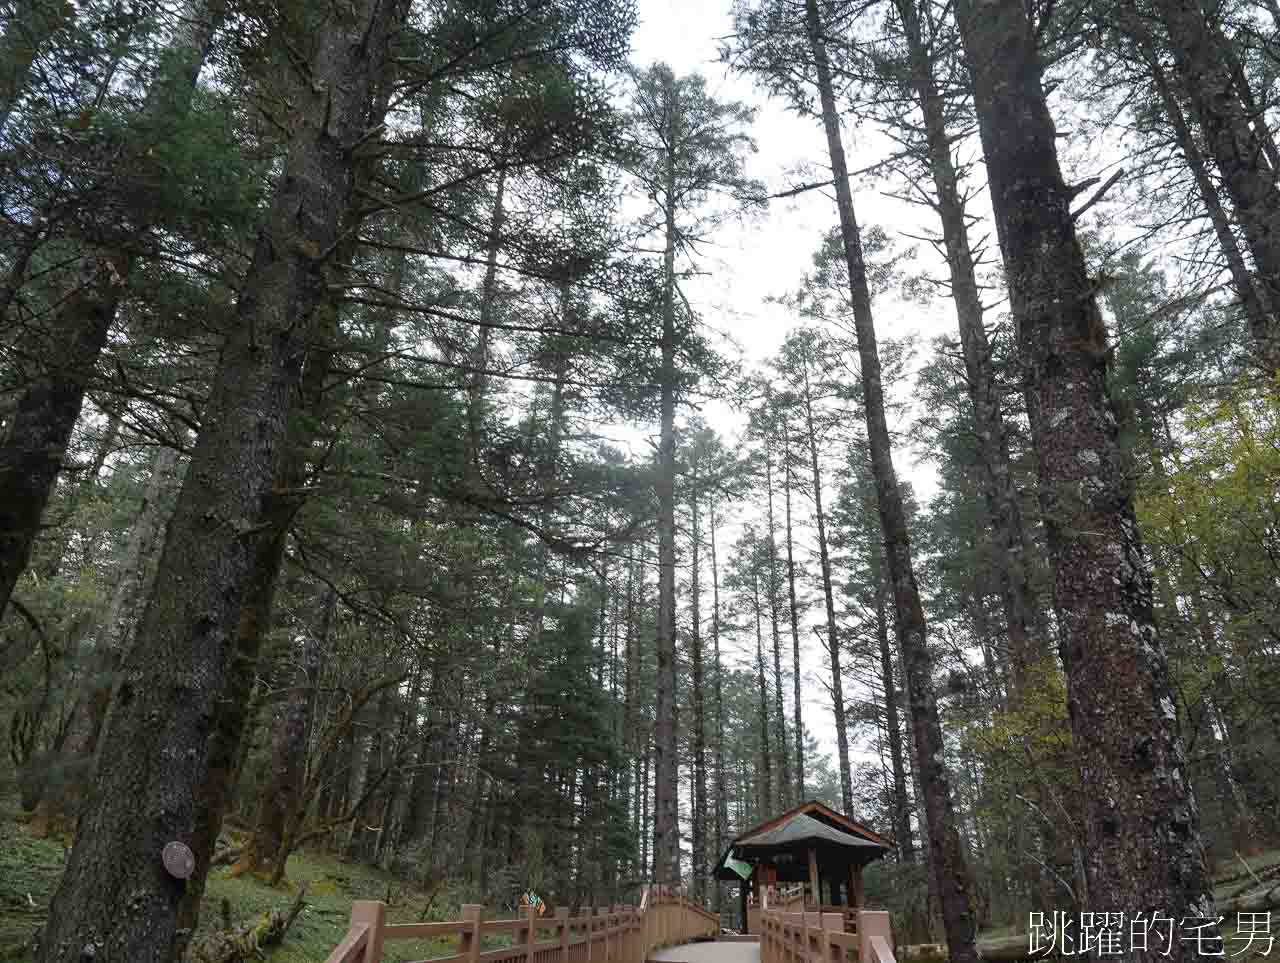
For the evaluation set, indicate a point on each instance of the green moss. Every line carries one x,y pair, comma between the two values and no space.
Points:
30,867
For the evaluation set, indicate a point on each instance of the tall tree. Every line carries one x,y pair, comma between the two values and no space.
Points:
801,363
1224,109
808,36
928,48
696,476
34,443
688,149
1144,848
116,895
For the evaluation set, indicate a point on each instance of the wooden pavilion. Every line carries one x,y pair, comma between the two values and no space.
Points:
811,845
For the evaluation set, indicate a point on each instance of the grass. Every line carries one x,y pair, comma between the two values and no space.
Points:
30,868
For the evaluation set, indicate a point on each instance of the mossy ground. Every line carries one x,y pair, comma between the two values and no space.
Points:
30,868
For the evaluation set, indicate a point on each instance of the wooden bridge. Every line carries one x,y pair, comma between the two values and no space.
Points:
620,934
662,929
813,847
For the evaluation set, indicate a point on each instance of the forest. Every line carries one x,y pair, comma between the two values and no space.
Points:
380,485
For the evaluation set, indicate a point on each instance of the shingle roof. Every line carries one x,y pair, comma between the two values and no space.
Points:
802,828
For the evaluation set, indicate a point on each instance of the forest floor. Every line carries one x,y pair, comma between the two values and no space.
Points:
30,868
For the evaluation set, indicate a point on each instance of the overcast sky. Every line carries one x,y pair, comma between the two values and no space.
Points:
769,256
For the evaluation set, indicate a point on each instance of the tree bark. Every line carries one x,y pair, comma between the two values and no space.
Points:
115,898
1203,67
828,594
291,729
137,573
775,587
666,803
1144,849
722,799
766,759
947,858
1242,279
478,385
699,822
1012,547
793,612
901,805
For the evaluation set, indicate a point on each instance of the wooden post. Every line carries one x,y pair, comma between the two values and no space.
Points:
855,887
873,926
374,915
634,936
803,955
602,918
531,935
833,952
469,945
619,934
562,928
814,882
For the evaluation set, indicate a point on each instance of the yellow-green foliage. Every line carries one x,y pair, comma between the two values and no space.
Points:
1031,737
1214,513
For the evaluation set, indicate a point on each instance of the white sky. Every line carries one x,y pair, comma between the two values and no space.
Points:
768,256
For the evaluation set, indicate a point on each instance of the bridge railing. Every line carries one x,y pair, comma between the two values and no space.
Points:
618,934
817,937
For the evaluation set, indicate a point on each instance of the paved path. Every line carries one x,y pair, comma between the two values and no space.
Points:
716,952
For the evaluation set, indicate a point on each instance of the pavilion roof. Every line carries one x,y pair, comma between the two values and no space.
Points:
802,828
809,824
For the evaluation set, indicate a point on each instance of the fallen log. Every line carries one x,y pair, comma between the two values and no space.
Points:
237,944
1260,900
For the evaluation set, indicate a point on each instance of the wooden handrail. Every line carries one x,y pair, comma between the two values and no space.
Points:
817,937
351,949
620,934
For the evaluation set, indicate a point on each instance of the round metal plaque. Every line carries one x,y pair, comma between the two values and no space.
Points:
179,861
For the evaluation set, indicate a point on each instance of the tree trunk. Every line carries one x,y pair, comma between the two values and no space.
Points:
1242,279
765,795
478,385
631,660
290,732
794,613
155,765
699,821
828,594
947,856
137,572
901,805
1012,548
1202,65
775,587
40,426
1141,823
666,803
721,791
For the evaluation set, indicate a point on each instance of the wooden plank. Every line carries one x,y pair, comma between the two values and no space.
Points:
352,944
501,953
374,915
423,931
502,926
